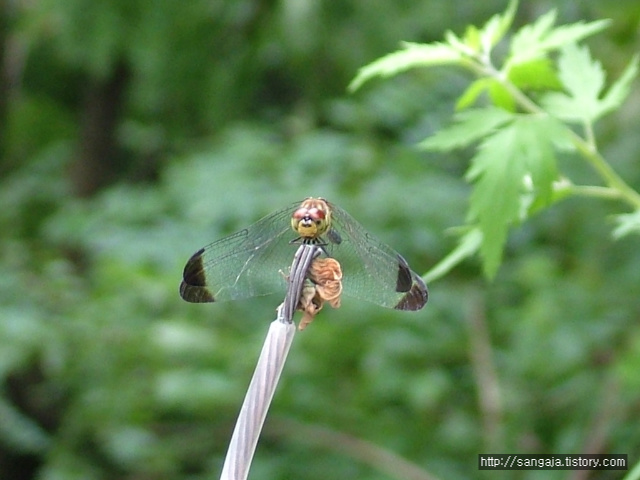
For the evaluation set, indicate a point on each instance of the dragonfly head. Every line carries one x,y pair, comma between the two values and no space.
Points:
312,218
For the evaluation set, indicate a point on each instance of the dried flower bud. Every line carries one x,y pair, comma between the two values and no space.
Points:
324,284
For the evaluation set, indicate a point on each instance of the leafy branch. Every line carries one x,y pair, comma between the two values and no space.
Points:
544,97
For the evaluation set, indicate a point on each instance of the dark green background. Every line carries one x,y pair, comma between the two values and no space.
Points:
132,132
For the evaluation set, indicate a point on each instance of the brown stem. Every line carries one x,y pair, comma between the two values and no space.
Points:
598,431
368,453
486,377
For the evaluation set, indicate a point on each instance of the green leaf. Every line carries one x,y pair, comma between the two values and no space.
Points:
498,175
539,137
536,40
454,41
518,153
526,43
469,126
628,224
413,55
538,74
472,93
495,29
584,80
500,96
620,89
572,33
477,40
506,20
472,39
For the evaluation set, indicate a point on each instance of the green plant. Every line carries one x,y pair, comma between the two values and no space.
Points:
543,98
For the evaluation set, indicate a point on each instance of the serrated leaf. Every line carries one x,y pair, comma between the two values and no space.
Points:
584,80
582,76
522,149
413,55
572,33
525,44
620,89
494,30
535,40
469,126
495,198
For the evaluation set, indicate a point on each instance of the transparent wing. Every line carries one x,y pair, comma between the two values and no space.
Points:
373,271
243,265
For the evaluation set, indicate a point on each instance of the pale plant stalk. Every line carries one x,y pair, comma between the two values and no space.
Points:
257,400
267,373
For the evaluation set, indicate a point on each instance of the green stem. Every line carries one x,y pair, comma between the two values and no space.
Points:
611,178
590,137
593,191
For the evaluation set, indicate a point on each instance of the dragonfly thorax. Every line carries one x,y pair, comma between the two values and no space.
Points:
312,219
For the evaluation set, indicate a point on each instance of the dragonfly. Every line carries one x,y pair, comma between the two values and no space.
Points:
251,262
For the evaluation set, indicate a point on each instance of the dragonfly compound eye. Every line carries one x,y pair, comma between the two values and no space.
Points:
309,222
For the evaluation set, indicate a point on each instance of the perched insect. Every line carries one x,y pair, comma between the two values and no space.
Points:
247,263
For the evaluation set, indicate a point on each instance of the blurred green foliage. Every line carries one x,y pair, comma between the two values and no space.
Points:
223,112
522,111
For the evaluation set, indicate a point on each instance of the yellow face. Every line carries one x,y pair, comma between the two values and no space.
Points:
312,218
